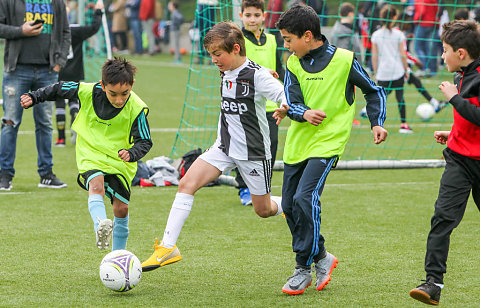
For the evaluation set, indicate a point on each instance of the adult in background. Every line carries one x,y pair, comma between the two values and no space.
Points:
119,26
147,16
426,33
274,10
34,53
133,11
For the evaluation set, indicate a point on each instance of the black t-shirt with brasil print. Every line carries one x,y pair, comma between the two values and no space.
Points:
35,49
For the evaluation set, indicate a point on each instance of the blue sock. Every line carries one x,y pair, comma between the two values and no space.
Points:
97,209
120,233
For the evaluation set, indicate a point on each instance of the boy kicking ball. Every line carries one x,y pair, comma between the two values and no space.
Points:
242,139
112,135
461,52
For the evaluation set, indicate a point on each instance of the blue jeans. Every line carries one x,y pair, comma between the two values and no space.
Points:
426,46
22,80
136,27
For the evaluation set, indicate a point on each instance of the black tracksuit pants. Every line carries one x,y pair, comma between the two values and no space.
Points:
461,175
303,185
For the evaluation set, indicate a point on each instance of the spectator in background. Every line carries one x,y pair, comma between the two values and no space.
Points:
34,54
133,11
476,14
461,14
147,16
109,16
274,10
343,34
119,26
177,20
426,33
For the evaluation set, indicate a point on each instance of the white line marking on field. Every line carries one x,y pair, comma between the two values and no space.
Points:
202,129
373,184
15,193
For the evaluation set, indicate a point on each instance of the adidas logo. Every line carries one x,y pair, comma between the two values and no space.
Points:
254,173
46,181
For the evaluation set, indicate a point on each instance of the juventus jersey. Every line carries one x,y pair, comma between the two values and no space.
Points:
243,131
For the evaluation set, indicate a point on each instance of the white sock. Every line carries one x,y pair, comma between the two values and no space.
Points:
439,285
181,207
278,201
434,102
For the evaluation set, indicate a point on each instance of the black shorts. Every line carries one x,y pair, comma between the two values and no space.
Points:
115,184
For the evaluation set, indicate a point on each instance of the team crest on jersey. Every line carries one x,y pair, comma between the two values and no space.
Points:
228,84
245,87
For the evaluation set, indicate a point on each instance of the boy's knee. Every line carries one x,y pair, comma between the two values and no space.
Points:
97,189
263,212
187,186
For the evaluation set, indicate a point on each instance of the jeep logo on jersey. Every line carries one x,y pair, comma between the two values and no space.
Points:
245,87
233,107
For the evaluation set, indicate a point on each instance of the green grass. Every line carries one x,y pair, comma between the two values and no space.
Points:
375,222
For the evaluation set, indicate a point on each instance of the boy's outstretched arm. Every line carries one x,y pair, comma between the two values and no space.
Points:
62,89
142,141
271,88
376,100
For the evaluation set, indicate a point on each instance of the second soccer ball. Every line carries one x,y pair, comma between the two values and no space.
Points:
425,111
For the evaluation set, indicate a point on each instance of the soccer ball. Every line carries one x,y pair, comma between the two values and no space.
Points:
120,270
363,113
425,111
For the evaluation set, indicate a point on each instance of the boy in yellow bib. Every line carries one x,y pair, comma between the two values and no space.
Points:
319,85
112,135
261,48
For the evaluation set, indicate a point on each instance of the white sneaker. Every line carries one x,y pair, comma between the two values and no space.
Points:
104,233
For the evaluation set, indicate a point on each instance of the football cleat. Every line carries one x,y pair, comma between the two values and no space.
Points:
323,269
104,233
428,293
298,282
161,256
245,197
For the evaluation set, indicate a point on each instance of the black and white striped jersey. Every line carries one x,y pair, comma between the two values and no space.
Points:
243,128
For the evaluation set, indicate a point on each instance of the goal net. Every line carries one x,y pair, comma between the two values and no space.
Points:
197,128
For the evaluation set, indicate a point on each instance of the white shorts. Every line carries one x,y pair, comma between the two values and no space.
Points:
256,174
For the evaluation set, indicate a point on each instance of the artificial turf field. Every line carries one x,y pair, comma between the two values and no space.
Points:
374,221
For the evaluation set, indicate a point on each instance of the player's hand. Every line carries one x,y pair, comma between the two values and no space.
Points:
280,113
26,101
124,155
448,89
314,116
57,68
379,134
273,73
441,136
29,29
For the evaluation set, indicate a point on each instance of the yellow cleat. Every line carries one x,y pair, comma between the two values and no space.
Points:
161,257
